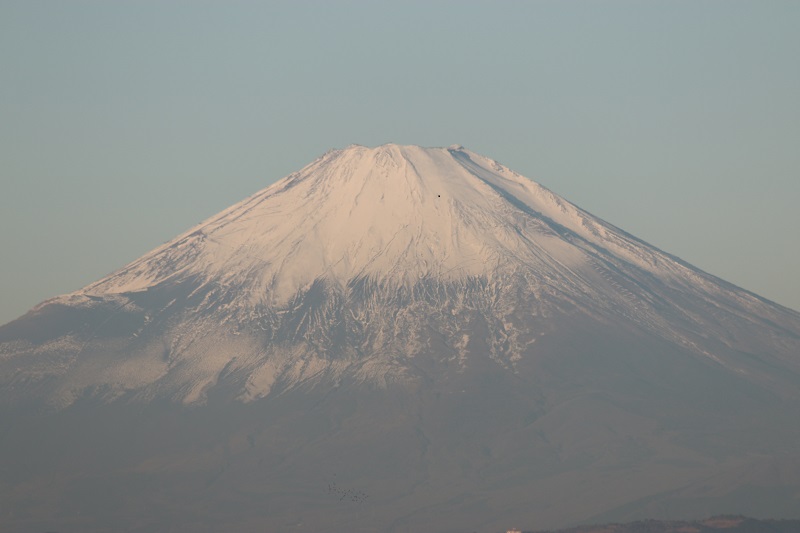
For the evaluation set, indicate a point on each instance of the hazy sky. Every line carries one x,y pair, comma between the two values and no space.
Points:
124,123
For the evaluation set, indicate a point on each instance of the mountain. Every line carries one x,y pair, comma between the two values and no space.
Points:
398,339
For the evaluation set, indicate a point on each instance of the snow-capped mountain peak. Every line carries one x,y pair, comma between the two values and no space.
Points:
391,213
368,258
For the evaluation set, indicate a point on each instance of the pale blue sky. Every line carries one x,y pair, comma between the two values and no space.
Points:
124,123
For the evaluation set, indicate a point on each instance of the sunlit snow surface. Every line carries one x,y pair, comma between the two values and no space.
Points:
394,214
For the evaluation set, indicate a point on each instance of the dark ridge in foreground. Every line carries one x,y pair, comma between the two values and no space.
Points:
716,524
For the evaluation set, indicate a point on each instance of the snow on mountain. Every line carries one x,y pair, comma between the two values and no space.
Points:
392,213
332,265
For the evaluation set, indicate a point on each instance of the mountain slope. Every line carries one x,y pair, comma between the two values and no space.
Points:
422,326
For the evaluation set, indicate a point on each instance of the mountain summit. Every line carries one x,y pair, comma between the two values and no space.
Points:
420,332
